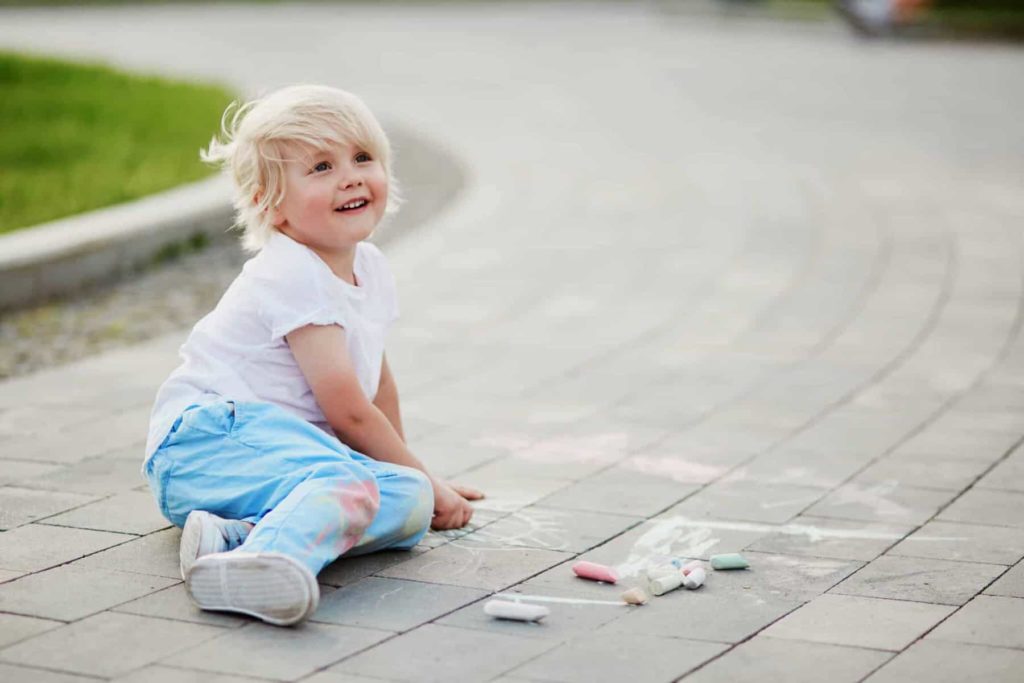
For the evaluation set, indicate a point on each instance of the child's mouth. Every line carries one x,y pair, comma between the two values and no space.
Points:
353,207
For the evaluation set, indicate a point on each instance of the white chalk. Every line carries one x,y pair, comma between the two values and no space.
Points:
516,611
695,579
665,583
690,566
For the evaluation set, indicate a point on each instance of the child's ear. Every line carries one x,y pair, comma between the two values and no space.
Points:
275,214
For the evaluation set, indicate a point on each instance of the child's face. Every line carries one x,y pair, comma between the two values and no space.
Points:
318,184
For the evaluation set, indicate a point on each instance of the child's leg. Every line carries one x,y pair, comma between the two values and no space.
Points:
406,508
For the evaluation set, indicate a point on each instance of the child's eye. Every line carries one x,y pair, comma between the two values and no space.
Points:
363,156
322,166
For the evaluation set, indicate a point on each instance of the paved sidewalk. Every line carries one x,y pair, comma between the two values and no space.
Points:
714,287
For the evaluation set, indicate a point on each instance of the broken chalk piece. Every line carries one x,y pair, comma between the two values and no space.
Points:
595,572
517,611
690,566
729,561
695,579
666,583
635,596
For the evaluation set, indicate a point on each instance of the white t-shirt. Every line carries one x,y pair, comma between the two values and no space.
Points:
238,351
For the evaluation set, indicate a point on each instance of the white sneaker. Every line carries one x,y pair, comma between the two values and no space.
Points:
273,587
205,533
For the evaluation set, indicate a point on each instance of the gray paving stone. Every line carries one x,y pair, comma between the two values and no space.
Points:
133,512
620,491
392,604
509,493
22,674
926,471
720,611
1007,475
748,501
88,440
107,644
941,662
337,677
15,471
967,444
769,659
787,577
155,554
175,603
14,628
859,622
7,575
552,529
797,467
35,547
986,620
923,580
275,652
69,592
884,502
967,542
156,673
831,538
615,656
442,653
465,564
97,476
20,506
1010,584
348,570
986,506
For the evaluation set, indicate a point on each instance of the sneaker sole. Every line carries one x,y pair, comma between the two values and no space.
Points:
269,586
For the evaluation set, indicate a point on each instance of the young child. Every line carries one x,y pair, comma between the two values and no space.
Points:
277,444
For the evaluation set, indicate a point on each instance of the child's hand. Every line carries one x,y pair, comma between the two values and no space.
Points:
451,510
467,492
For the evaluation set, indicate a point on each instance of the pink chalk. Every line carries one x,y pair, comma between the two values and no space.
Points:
687,568
595,572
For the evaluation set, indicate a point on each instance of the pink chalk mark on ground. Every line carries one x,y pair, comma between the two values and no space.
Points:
675,468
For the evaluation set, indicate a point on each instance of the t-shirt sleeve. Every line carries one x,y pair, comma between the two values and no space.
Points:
298,292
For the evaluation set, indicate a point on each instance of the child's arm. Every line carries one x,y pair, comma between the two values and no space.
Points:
387,398
322,354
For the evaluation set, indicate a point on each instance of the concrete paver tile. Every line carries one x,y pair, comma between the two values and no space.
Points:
20,506
572,615
510,493
986,620
155,673
466,564
69,592
716,612
132,512
1007,475
175,603
1010,584
392,604
888,502
748,501
859,622
155,554
614,657
770,659
441,654
99,476
274,652
338,677
14,627
966,444
942,662
348,570
987,506
39,546
796,467
636,494
8,575
107,644
967,542
11,673
923,580
788,577
925,471
831,538
13,472
552,529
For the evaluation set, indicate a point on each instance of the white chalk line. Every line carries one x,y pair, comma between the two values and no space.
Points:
516,597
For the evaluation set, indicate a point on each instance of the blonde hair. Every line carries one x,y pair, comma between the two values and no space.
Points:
258,137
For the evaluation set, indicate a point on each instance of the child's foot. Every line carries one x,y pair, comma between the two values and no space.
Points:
269,586
205,533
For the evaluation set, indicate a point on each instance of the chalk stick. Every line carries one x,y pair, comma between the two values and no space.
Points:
729,561
666,583
695,579
635,596
690,566
516,611
595,572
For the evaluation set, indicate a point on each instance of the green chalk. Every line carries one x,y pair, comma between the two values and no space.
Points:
729,561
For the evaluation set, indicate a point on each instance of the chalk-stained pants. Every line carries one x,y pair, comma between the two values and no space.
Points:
309,495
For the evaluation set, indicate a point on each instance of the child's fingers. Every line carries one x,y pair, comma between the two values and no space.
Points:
467,492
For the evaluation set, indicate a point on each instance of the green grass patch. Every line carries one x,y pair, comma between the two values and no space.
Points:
75,137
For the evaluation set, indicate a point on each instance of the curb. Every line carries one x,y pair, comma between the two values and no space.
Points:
60,257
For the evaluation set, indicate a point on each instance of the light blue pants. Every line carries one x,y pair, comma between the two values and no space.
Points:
310,496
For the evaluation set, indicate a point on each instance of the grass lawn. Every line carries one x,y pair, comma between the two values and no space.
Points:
75,137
